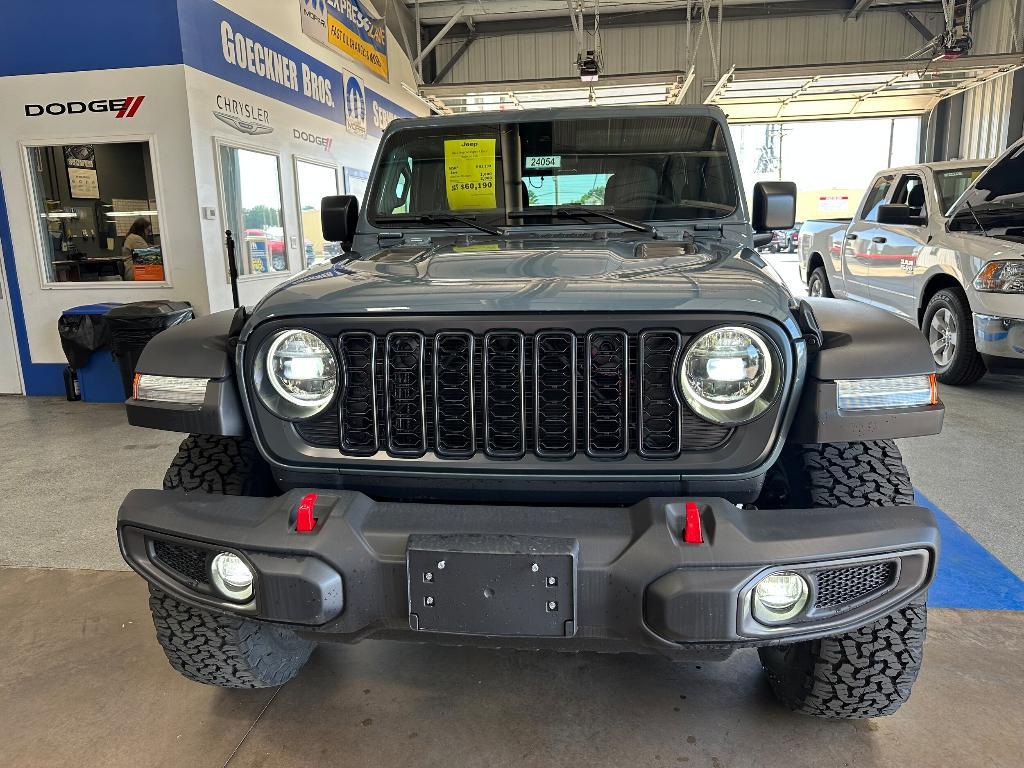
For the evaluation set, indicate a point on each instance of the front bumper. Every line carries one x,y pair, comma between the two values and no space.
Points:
635,584
1000,340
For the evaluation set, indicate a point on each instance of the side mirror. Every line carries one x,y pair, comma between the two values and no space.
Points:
899,215
774,205
339,215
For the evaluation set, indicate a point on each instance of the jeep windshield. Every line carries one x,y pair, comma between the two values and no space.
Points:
530,173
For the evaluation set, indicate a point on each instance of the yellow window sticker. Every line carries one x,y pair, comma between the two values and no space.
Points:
469,173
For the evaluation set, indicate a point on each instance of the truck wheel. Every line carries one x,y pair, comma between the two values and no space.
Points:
949,328
216,464
213,648
817,283
226,651
867,672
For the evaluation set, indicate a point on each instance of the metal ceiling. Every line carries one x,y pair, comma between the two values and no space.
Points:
867,89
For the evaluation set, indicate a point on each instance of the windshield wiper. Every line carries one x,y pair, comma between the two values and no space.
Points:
440,218
574,212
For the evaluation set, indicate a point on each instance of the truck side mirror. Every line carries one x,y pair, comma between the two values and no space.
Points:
774,205
339,215
899,215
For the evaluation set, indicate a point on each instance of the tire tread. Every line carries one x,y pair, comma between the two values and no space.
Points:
868,672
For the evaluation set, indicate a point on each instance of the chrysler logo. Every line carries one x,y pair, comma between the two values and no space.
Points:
243,117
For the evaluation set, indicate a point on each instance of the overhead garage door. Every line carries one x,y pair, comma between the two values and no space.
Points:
653,88
874,89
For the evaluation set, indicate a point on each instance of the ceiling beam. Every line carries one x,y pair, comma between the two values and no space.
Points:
450,64
561,23
858,7
917,24
437,38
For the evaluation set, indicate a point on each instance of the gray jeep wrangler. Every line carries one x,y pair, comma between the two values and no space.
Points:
548,396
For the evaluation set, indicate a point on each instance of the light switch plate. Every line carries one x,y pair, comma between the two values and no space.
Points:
294,241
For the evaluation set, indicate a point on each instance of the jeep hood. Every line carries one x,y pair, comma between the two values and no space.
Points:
537,276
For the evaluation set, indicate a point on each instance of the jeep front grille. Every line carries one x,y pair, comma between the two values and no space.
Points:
503,394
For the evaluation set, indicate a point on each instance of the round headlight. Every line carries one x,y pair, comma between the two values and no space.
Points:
296,374
779,596
728,376
232,576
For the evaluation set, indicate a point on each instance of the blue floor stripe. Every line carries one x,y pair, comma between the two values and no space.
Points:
969,576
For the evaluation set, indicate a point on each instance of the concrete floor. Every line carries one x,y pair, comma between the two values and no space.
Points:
90,687
83,682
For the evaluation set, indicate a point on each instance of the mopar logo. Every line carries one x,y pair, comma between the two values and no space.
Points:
126,107
314,10
320,141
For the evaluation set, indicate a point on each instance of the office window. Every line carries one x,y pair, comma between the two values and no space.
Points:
96,212
251,182
314,182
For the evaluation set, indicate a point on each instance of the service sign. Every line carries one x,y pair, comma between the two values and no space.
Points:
349,27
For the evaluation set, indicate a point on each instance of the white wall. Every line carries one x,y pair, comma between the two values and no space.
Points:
176,116
281,18
283,21
163,119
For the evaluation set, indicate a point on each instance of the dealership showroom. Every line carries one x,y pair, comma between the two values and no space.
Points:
512,383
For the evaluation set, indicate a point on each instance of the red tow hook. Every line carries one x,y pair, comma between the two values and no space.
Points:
304,520
692,533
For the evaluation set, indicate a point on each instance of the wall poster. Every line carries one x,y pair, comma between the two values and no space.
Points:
80,160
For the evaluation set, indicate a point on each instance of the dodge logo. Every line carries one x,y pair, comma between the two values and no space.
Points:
126,107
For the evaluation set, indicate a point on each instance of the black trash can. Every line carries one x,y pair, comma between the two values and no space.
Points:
133,325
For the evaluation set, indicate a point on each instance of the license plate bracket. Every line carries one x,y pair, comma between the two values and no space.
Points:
495,585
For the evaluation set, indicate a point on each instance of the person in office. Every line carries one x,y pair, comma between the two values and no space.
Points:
138,237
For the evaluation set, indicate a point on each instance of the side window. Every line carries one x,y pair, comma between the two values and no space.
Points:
910,192
875,197
251,193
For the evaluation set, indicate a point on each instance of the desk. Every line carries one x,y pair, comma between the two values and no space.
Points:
87,270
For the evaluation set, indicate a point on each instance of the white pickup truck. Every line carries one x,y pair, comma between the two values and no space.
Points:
942,246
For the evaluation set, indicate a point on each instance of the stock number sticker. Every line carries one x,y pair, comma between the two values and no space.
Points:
469,173
544,161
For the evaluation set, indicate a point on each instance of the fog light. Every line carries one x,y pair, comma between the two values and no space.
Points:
779,596
231,576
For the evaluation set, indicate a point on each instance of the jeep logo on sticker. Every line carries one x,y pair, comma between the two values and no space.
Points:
126,107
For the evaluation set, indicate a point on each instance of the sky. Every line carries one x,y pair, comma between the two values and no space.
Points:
840,154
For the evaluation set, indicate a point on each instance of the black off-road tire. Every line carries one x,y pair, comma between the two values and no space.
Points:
868,672
216,464
226,651
214,648
966,366
818,274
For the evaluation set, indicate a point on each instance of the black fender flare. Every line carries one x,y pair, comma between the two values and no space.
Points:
859,341
202,348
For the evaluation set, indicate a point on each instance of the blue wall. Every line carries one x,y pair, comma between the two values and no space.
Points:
72,36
